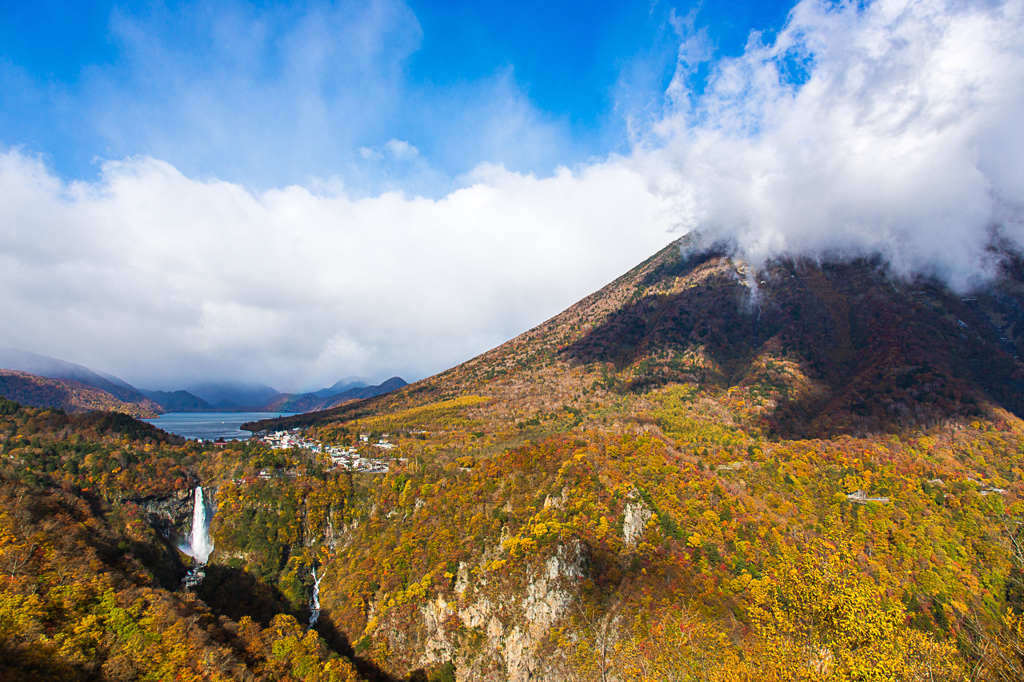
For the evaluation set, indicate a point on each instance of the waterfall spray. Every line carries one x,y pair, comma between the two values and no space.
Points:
314,603
199,546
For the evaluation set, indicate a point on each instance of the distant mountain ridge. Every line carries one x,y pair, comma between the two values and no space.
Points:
205,397
44,366
119,392
340,386
253,397
68,395
309,402
179,401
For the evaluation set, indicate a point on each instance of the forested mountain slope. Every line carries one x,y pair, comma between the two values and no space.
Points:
790,459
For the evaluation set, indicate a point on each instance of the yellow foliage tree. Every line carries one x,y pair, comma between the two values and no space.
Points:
818,618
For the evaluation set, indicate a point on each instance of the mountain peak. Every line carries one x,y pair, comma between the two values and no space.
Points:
812,348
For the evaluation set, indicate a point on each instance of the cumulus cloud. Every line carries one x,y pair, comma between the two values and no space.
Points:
891,127
163,279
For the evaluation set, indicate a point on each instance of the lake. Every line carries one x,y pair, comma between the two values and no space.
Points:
210,425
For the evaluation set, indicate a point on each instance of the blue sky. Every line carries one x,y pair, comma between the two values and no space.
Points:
296,193
226,89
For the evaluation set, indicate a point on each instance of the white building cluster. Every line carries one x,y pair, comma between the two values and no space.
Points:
344,457
352,459
283,440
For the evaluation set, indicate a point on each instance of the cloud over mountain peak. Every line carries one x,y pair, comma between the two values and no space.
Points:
892,128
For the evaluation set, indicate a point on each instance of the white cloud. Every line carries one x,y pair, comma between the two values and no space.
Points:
401,149
893,127
161,278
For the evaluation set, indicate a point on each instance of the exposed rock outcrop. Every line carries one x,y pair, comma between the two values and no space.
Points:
634,522
510,621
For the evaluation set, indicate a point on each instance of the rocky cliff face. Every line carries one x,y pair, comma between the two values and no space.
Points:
635,522
498,629
170,516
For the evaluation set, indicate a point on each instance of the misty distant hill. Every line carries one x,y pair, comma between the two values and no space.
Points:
346,384
179,401
52,368
234,395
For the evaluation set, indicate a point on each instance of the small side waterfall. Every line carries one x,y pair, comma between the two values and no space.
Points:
198,545
314,603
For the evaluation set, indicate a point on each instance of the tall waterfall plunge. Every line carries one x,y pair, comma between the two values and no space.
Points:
199,545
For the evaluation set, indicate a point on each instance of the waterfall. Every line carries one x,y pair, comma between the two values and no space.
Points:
199,545
314,603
